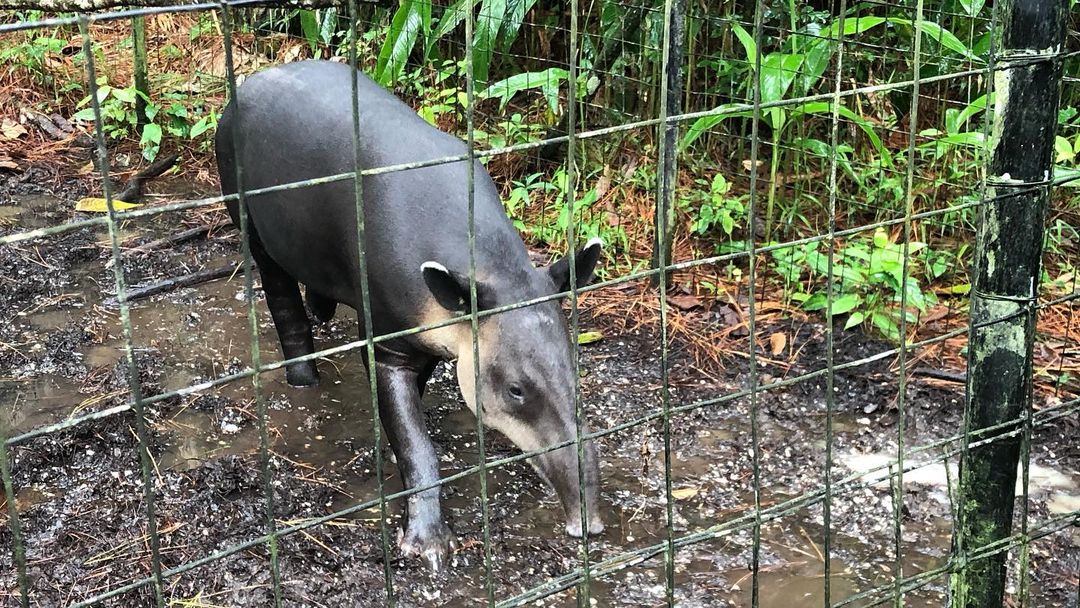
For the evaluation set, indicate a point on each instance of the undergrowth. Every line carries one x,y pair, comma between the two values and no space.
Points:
876,171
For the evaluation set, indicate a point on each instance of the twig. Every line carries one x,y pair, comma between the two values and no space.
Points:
174,239
941,374
188,280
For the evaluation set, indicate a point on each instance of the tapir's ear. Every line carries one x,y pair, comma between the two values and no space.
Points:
584,263
451,289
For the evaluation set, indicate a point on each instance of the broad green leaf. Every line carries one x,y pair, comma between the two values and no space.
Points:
309,23
749,46
451,18
886,325
976,140
488,23
515,15
547,81
824,107
400,40
1064,149
947,39
816,302
151,134
973,108
125,95
778,71
329,25
705,123
1067,176
846,303
943,36
727,222
881,239
200,127
972,7
103,92
856,318
84,114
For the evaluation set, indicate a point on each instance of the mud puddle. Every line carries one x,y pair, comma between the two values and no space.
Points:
79,492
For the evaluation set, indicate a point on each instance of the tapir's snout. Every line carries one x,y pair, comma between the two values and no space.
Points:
571,482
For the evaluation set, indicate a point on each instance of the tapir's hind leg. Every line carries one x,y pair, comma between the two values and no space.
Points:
322,308
290,318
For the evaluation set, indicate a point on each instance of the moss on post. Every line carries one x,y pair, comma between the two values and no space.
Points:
142,79
667,171
1027,84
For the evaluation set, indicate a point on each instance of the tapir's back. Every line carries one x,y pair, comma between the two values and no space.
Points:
294,123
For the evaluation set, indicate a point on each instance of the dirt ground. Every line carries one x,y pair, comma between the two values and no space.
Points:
79,492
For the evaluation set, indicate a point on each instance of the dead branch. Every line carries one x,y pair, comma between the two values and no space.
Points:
174,239
188,280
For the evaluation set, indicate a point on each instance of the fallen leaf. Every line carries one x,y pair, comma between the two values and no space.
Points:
7,163
961,289
749,164
602,186
684,493
9,129
100,205
777,342
588,337
684,301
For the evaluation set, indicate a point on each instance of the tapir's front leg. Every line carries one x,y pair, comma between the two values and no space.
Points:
426,534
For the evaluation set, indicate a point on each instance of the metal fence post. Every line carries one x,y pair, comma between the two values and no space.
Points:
669,131
1027,84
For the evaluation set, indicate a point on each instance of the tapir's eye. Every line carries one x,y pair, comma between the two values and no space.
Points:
516,392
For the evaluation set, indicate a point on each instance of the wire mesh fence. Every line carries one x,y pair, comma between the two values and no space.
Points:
774,161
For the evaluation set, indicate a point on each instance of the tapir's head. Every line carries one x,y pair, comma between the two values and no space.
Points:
527,374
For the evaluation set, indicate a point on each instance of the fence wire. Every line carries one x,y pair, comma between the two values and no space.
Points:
844,53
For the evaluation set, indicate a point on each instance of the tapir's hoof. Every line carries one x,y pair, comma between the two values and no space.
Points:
432,544
302,374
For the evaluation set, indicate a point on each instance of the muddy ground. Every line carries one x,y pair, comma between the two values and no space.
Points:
80,493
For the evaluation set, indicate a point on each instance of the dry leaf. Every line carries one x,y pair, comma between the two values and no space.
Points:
9,129
99,205
602,186
777,342
748,164
684,301
684,493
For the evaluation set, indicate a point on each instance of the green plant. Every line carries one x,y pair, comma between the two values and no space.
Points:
514,130
521,197
715,207
869,281
548,81
555,194
32,54
497,25
180,117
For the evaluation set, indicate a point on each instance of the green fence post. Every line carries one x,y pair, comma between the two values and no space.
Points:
1027,83
669,131
142,80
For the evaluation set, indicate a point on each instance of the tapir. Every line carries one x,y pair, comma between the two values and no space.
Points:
294,122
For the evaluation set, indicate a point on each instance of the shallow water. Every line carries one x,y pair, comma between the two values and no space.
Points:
202,333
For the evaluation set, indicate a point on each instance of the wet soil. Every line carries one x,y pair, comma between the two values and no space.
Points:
80,491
